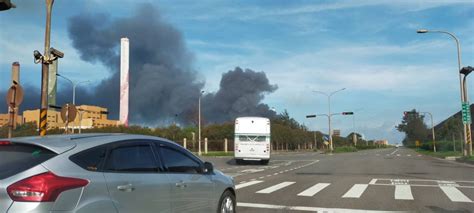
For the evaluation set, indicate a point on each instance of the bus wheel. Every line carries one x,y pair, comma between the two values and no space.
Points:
239,161
264,162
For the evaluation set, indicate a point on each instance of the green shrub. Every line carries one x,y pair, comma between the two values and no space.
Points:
344,149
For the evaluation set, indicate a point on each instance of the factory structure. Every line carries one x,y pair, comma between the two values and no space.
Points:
88,116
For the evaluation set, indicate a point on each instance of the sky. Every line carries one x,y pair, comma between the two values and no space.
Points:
369,47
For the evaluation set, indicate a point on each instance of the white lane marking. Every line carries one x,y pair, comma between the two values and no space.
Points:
419,155
356,191
408,155
447,183
403,192
377,154
398,155
373,181
275,188
251,170
396,150
242,185
311,191
310,209
454,194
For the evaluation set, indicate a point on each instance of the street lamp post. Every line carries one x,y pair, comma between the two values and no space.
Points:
432,130
354,136
464,98
329,114
199,123
74,86
329,117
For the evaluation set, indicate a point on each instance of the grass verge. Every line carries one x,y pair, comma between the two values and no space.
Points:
439,154
342,149
218,153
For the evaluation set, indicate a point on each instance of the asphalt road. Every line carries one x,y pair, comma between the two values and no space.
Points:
365,181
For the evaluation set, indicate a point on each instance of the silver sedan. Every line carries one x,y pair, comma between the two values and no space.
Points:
108,173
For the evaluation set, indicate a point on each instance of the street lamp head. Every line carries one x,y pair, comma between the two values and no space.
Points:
311,116
57,74
422,31
466,70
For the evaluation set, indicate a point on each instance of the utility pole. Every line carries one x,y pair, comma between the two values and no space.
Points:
50,54
45,70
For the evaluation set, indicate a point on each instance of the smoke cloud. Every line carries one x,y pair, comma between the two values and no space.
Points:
164,87
240,94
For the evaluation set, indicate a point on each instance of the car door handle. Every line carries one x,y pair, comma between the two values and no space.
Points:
181,184
126,188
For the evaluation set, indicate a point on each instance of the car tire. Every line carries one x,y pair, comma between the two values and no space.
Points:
264,162
227,203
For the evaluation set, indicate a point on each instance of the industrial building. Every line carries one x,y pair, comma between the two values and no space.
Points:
87,117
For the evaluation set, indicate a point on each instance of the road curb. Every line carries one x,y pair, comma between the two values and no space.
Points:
451,161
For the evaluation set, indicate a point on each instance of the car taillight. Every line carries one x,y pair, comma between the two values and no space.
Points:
5,143
44,187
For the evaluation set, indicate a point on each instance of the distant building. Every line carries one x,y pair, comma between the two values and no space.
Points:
87,117
381,142
54,118
4,118
337,133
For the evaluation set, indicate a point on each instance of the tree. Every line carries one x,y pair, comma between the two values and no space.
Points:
414,128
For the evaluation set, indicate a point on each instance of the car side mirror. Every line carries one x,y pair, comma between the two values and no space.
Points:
208,168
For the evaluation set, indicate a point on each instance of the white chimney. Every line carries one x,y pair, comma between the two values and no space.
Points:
124,80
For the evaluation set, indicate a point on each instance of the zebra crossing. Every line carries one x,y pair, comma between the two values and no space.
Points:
402,188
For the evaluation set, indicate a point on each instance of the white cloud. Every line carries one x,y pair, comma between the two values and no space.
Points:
250,12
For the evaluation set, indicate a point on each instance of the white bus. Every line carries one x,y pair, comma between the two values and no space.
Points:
252,139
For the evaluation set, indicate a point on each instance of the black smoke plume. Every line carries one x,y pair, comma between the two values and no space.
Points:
164,87
240,94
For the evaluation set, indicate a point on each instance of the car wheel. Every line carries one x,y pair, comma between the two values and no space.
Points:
264,162
227,203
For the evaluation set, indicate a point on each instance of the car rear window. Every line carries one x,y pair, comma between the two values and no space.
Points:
90,159
251,138
16,158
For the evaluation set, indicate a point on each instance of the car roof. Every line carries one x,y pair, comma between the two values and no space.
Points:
63,143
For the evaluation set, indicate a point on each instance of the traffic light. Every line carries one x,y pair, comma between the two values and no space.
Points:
347,113
311,116
6,5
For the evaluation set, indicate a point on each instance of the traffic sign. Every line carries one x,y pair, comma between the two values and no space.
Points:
466,113
68,112
14,96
